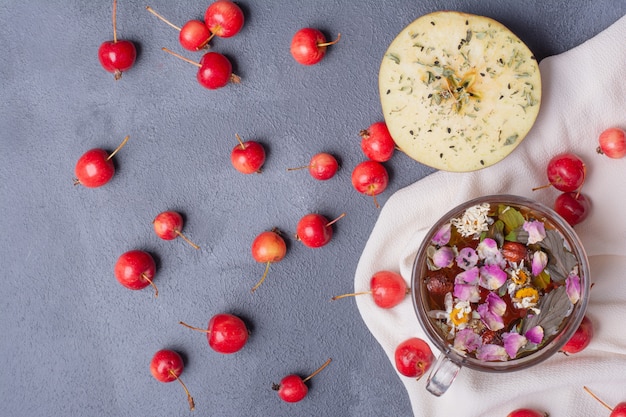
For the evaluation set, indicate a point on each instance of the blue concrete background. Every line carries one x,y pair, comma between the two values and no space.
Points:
73,342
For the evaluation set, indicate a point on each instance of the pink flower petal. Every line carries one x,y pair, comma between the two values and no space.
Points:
467,292
467,258
512,343
572,287
442,237
539,262
492,277
535,334
490,352
536,231
467,341
468,277
443,257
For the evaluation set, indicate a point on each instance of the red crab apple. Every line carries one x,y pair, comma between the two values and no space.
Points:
377,143
166,366
572,206
526,412
581,338
268,247
322,166
168,225
224,18
95,167
370,178
612,143
135,270
226,333
214,70
413,357
387,288
193,36
293,388
566,172
308,46
118,55
618,411
314,230
247,157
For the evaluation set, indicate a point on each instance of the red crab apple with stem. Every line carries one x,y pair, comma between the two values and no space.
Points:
322,166
168,226
293,388
268,247
314,230
377,143
387,288
618,411
247,157
214,69
308,46
572,206
612,143
95,167
135,270
167,366
118,55
566,172
193,36
226,333
413,357
370,178
581,338
526,412
224,18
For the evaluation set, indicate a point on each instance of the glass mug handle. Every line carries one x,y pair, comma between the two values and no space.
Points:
442,375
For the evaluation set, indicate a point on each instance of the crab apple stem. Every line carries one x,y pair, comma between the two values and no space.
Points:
330,43
151,10
156,290
352,294
235,79
120,146
330,223
258,284
186,239
205,43
297,168
198,329
241,144
597,398
181,57
192,405
114,21
318,370
542,187
375,202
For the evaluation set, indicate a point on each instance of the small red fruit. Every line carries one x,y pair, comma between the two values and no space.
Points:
387,288
168,226
618,411
292,388
314,230
308,46
581,338
214,69
413,357
612,143
95,167
526,412
566,172
117,56
268,247
573,207
370,178
322,166
166,366
226,333
135,270
224,18
193,36
377,143
247,157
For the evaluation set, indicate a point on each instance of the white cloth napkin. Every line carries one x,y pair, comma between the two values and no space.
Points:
584,92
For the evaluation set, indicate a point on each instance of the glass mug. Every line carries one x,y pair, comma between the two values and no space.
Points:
451,360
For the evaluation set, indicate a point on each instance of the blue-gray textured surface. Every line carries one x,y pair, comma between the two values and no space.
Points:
73,341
